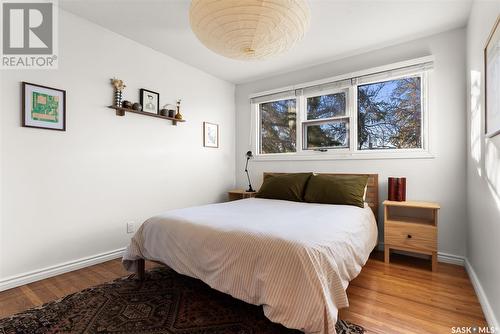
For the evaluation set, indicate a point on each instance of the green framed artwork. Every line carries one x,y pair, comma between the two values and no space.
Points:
43,107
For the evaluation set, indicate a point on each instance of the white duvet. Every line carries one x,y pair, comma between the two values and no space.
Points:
295,259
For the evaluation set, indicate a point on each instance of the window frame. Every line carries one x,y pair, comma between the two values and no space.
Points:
380,74
256,108
423,106
304,121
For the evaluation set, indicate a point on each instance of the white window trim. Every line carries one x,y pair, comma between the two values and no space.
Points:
304,121
351,153
256,124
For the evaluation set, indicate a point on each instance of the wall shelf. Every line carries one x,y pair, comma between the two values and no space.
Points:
121,112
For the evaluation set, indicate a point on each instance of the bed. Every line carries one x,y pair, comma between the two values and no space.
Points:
295,259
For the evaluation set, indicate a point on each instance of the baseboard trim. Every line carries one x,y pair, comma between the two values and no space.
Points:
451,259
36,275
442,257
481,295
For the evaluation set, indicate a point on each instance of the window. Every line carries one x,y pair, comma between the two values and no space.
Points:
327,122
390,114
327,135
278,126
381,112
326,106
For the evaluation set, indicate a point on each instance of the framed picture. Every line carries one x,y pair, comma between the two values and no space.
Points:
492,81
43,107
150,101
210,134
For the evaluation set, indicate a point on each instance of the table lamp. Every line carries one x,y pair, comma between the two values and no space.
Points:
249,156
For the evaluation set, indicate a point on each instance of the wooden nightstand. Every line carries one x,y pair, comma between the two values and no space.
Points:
411,226
240,194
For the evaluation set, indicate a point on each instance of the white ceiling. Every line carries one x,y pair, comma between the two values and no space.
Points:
339,28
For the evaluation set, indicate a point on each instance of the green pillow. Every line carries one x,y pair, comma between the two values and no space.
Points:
288,187
336,189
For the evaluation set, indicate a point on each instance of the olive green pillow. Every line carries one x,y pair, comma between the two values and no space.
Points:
336,189
288,187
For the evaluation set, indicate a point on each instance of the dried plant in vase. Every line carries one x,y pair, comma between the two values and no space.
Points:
178,115
119,86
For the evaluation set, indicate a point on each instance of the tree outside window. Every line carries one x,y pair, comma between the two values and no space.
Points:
390,114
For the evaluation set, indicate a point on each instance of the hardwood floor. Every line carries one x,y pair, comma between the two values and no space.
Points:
403,297
407,297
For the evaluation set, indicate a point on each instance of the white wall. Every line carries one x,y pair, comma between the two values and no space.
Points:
440,179
483,167
68,195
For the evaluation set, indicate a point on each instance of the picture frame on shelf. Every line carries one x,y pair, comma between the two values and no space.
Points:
43,107
492,81
210,135
150,101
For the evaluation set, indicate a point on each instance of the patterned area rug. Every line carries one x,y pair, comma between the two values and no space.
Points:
165,302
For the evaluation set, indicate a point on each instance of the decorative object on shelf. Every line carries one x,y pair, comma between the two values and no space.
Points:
270,26
137,106
397,189
127,104
118,98
170,110
119,87
43,107
249,156
150,101
492,81
210,134
178,115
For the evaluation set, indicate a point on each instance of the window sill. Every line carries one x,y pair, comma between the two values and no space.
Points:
317,156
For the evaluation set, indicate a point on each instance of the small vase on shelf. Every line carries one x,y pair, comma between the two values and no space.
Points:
119,85
170,110
118,98
178,115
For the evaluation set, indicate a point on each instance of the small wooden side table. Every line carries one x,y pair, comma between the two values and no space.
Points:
236,194
411,226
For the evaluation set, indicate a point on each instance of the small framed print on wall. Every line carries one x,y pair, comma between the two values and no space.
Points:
150,101
210,135
43,107
492,81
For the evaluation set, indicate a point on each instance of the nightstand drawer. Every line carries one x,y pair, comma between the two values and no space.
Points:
412,236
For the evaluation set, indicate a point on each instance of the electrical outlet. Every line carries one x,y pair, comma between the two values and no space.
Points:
130,227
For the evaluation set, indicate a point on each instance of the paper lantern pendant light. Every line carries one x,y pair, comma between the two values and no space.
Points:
249,29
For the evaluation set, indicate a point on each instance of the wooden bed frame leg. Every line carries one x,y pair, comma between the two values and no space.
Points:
141,269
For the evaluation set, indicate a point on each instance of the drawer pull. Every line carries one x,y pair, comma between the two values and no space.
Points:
409,236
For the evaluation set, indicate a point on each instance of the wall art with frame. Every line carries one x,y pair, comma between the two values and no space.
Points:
210,134
43,107
150,101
